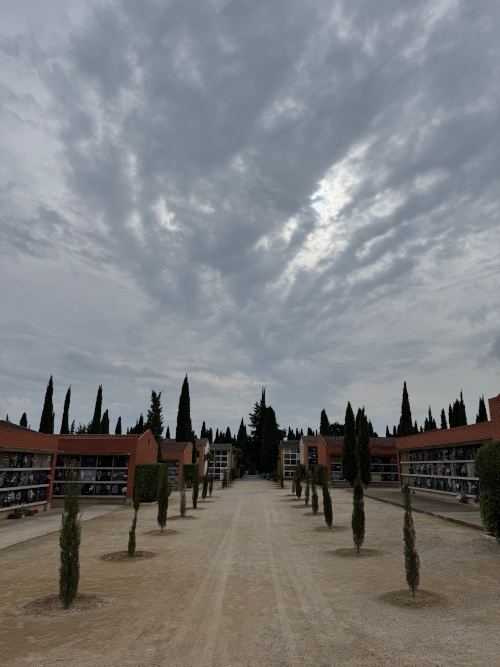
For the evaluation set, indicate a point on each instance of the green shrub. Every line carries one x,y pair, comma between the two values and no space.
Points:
489,503
235,473
188,474
147,476
318,473
69,542
487,465
242,472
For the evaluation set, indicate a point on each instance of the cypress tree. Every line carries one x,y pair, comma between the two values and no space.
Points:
298,481
415,427
324,424
314,501
387,433
24,420
96,420
349,463
450,416
72,428
131,532
167,434
47,418
293,484
363,451
140,425
270,442
394,431
204,489
456,413
358,514
104,428
482,415
282,478
462,417
406,420
412,561
184,426
443,419
155,417
210,484
69,543
224,480
65,418
183,506
203,432
307,491
327,503
196,486
118,427
163,493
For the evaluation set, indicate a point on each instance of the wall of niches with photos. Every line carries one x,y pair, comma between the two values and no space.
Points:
443,469
95,474
24,478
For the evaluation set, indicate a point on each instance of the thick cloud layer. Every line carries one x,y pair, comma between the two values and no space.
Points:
253,193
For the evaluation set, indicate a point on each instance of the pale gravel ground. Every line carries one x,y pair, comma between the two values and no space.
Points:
253,583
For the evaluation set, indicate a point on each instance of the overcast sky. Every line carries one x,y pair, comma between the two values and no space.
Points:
254,192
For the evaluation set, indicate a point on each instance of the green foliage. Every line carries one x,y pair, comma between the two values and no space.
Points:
349,462
327,503
282,478
196,485
314,501
324,424
412,561
487,465
69,542
210,484
47,418
225,480
155,417
270,442
65,419
405,421
363,450
147,476
319,473
163,493
95,426
131,532
293,485
482,414
489,504
184,429
183,506
307,492
188,473
104,428
204,488
298,482
358,514
24,420
235,473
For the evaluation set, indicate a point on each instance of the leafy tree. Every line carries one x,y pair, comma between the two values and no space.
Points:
183,507
204,489
482,414
324,424
96,420
406,422
69,543
444,425
65,418
358,514
118,427
314,501
298,481
155,418
184,430
363,450
307,492
270,442
196,486
327,503
412,561
163,493
47,418
349,463
24,420
105,423
210,484
131,532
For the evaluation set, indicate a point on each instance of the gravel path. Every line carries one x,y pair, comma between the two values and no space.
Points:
252,582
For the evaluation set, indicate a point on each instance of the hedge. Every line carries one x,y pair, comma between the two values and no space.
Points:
188,474
146,478
235,473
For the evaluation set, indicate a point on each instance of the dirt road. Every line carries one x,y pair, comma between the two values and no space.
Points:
254,582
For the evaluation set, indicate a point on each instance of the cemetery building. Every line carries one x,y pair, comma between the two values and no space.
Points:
177,454
223,459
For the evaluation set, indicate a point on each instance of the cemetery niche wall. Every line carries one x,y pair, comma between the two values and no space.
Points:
24,478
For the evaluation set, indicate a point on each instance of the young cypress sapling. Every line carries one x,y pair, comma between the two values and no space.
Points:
196,486
307,491
131,533
210,484
293,483
163,493
204,489
69,542
314,501
327,503
358,514
412,561
298,482
183,507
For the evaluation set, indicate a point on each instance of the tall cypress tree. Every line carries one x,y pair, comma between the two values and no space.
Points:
254,443
203,432
167,434
462,417
104,428
349,463
482,415
363,451
96,420
69,542
358,514
184,429
327,503
163,496
118,427
24,420
387,433
406,420
456,413
443,419
270,442
47,420
412,561
155,418
324,424
65,418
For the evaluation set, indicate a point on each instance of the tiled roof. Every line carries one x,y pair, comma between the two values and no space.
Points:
310,438
170,445
99,436
221,447
201,442
338,440
447,436
289,443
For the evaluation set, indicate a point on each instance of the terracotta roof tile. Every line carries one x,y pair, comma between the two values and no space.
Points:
289,443
448,436
170,445
221,447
